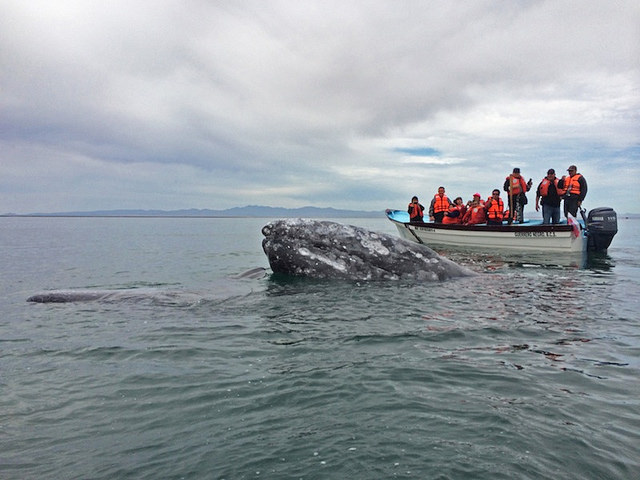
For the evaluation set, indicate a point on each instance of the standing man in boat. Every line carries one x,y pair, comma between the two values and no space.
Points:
575,189
516,188
549,193
416,211
439,206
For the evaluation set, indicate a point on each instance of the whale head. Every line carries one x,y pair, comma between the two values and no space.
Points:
330,250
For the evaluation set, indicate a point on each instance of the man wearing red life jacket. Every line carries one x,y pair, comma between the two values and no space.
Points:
495,208
516,188
575,189
439,206
548,194
416,210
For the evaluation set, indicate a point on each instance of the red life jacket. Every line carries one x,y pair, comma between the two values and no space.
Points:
518,185
495,210
416,210
476,215
544,186
440,204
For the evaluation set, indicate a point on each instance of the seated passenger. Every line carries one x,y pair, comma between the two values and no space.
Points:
416,210
476,212
456,212
495,208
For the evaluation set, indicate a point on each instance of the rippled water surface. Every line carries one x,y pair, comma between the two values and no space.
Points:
528,370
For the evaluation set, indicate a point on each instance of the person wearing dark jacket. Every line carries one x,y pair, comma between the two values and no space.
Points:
574,188
439,206
516,189
548,194
416,211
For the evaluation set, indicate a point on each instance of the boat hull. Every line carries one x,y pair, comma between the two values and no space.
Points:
533,237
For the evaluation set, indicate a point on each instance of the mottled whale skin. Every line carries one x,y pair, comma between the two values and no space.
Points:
330,250
65,296
155,296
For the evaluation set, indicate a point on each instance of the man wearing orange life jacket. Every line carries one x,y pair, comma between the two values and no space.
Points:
456,212
516,188
416,210
439,206
575,189
495,208
476,212
549,195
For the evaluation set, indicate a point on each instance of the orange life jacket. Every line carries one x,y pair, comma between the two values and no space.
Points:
518,185
544,186
495,210
458,218
571,184
416,210
441,204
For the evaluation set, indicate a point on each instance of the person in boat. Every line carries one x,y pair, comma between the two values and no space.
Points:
476,213
456,212
439,206
574,190
548,194
416,210
516,188
495,208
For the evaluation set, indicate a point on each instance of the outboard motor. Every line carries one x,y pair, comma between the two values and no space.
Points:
602,225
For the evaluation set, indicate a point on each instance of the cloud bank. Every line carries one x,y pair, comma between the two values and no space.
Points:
359,105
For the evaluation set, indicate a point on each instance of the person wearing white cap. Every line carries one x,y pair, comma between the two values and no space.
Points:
548,194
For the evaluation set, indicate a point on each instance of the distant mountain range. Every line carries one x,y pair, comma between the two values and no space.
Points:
247,211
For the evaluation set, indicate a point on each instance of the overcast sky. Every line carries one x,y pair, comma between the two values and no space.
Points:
345,104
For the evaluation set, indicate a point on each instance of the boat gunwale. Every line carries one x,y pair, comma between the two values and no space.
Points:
483,227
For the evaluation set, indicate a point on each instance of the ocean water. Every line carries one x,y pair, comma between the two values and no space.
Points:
189,370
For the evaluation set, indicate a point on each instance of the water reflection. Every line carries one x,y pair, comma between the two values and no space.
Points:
598,261
498,261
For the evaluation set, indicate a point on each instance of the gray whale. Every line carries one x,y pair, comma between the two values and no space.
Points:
155,296
330,250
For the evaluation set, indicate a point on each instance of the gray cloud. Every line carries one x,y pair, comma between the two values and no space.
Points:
215,104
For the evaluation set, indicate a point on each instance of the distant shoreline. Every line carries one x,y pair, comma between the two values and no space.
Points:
249,211
54,215
630,216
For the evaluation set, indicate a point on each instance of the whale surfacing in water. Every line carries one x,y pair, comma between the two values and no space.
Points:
330,250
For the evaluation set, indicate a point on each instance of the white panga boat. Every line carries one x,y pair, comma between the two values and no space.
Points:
593,233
